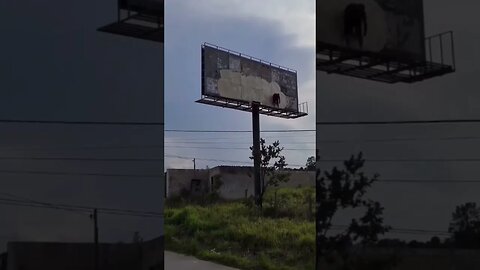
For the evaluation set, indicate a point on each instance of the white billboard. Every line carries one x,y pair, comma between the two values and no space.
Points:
233,76
390,28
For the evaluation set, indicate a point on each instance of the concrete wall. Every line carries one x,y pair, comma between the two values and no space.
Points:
178,179
300,179
236,180
73,256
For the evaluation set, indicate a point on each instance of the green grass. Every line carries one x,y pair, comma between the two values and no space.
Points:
234,234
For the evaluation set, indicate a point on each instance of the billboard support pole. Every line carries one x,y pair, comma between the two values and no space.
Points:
94,216
256,151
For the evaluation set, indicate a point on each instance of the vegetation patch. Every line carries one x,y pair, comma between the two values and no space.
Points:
281,237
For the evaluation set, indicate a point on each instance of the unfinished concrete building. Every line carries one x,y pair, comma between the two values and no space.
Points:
233,182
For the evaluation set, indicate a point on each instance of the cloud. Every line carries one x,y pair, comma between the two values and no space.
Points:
296,18
262,29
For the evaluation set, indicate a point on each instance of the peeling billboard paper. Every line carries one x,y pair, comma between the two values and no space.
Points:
231,76
390,28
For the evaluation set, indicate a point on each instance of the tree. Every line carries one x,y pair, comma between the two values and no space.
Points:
434,242
270,174
311,164
342,189
465,226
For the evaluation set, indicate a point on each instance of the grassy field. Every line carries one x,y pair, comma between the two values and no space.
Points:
281,237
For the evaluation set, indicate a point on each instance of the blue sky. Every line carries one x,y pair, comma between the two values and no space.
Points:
281,32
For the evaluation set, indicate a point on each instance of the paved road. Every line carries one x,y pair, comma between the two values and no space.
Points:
181,262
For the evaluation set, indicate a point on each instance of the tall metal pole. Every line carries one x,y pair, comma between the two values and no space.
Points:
95,222
256,150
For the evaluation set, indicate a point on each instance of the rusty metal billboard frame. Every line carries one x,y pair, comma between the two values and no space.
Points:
243,105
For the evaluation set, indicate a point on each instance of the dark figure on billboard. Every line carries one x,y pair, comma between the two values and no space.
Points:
276,100
355,20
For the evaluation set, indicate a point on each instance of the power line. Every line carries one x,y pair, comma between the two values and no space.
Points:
127,212
402,231
84,159
79,208
59,122
136,213
408,181
25,204
61,147
242,136
207,159
57,173
432,181
235,140
336,160
407,122
333,141
400,139
232,148
26,201
410,160
135,146
231,142
419,232
53,207
21,199
182,144
239,131
222,160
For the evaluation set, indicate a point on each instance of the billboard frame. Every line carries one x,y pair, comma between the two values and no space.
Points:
388,68
139,9
137,24
378,68
250,106
243,105
388,53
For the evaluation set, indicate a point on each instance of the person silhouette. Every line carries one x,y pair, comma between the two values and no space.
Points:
355,23
276,100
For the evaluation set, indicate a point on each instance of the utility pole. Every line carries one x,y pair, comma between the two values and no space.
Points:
95,236
194,166
256,150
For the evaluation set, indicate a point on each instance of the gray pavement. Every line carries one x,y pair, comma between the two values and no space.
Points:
175,261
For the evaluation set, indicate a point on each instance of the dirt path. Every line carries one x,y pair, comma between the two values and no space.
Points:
181,262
